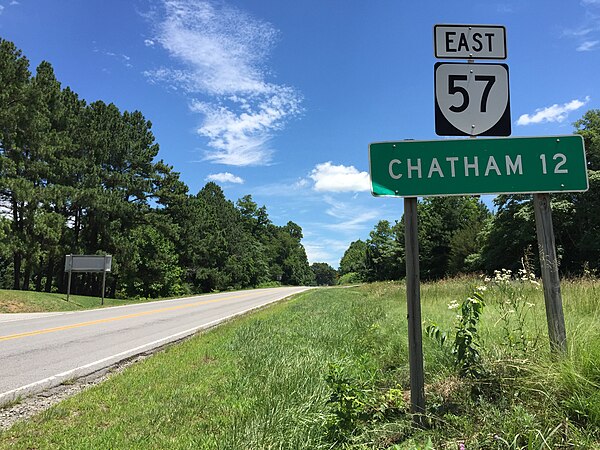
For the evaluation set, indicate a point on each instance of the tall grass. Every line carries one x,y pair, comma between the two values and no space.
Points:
329,369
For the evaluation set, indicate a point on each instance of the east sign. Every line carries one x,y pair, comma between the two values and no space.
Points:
469,41
478,166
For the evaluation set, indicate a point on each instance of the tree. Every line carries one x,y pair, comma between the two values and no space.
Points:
442,219
14,192
151,269
589,127
82,178
354,260
385,252
325,275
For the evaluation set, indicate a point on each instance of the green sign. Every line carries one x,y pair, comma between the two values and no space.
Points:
478,166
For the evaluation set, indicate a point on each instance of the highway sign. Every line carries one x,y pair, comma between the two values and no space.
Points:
478,166
469,41
471,99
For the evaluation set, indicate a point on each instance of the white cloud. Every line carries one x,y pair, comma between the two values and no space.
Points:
325,250
332,178
14,3
1,9
587,46
148,42
554,113
225,177
241,137
221,53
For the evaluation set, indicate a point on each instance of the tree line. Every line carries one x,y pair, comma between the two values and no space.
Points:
460,235
82,178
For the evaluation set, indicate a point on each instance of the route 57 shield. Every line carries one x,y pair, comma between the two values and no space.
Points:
472,99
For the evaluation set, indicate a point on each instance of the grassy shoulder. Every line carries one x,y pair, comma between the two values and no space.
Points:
31,301
12,301
329,369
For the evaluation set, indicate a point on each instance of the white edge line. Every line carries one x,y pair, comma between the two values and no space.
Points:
87,369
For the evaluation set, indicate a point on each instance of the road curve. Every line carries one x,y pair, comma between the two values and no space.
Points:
39,351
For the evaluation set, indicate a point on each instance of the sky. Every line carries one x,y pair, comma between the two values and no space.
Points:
281,99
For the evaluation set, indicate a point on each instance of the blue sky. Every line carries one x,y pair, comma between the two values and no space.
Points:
280,99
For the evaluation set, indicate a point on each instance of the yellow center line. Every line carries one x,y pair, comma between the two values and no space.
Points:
114,319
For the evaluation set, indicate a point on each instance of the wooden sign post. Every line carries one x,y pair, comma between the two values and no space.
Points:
413,306
550,279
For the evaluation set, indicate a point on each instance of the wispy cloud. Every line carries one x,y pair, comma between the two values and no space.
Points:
351,217
554,113
1,9
148,42
220,54
120,57
225,177
505,8
587,46
587,33
331,178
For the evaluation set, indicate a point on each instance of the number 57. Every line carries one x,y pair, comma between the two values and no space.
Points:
454,89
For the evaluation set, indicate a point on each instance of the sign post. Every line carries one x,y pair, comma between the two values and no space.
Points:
413,307
549,266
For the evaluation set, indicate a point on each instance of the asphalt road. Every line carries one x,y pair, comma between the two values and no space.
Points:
39,351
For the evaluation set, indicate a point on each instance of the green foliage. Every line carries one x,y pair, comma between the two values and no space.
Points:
451,231
350,278
459,235
325,275
448,233
355,259
285,376
348,403
357,402
153,269
437,334
516,311
466,345
589,127
385,252
82,179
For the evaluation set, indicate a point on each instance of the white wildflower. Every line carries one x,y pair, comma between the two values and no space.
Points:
453,304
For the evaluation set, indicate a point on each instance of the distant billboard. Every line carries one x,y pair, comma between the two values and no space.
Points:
88,263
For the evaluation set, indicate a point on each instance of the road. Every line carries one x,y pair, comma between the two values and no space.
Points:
39,351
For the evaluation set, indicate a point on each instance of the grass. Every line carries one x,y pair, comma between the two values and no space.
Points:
31,301
328,369
12,301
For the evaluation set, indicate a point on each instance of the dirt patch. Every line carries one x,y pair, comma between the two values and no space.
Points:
15,306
